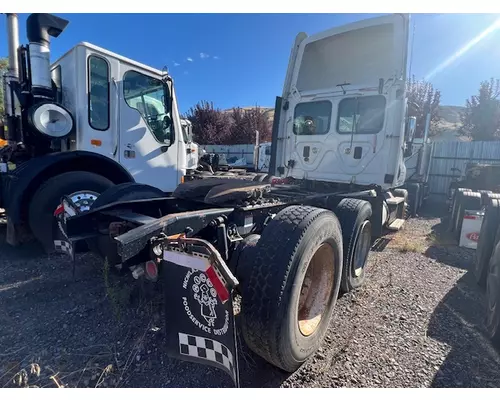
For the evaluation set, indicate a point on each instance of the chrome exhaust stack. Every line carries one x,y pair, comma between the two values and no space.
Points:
39,29
13,70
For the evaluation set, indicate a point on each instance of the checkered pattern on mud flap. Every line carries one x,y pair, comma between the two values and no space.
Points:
207,349
63,246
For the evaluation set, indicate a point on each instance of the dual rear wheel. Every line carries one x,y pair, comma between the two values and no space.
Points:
291,277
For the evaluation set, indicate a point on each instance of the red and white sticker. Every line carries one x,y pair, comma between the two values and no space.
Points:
200,264
474,236
218,282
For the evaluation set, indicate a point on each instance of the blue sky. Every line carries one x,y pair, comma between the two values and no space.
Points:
245,56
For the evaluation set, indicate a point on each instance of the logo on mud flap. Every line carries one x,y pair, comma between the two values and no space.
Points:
202,305
474,236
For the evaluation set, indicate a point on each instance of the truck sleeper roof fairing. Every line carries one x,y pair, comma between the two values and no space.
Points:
359,54
344,104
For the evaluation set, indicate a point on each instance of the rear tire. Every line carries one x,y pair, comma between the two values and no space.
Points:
486,242
401,193
44,202
493,297
292,286
404,194
414,195
260,178
488,197
454,207
354,217
466,201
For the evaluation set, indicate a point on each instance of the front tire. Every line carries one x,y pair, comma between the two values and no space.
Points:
44,202
292,285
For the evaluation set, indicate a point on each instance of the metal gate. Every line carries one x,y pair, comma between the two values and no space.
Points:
449,159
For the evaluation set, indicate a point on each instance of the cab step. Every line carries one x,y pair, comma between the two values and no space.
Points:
397,224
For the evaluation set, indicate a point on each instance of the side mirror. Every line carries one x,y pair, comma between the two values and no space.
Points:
167,123
412,124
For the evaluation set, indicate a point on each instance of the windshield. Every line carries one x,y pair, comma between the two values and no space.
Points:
362,115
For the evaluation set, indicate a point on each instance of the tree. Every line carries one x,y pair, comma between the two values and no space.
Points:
238,131
245,123
4,62
481,118
423,98
210,125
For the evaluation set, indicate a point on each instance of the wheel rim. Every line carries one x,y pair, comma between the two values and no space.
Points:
362,249
83,200
316,289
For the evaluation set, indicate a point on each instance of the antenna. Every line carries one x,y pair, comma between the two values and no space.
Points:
342,86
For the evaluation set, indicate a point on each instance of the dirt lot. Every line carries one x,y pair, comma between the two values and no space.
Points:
416,323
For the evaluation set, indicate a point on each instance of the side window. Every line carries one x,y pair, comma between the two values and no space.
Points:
98,90
312,118
147,95
362,115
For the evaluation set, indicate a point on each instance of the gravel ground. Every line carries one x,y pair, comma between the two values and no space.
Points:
418,322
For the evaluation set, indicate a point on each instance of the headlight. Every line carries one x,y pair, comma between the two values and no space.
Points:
51,119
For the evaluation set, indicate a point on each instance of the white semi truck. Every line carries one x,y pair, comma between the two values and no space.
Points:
89,120
287,243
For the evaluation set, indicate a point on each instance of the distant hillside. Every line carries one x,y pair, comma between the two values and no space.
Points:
451,114
449,125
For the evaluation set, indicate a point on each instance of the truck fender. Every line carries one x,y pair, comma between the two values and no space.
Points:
21,184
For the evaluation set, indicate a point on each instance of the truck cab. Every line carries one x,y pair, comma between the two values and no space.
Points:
80,124
121,108
344,103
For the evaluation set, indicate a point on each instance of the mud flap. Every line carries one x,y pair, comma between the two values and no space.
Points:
199,315
62,243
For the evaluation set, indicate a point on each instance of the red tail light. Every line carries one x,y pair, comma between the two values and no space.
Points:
59,210
151,270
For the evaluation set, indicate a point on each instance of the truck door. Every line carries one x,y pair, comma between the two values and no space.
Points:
148,143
